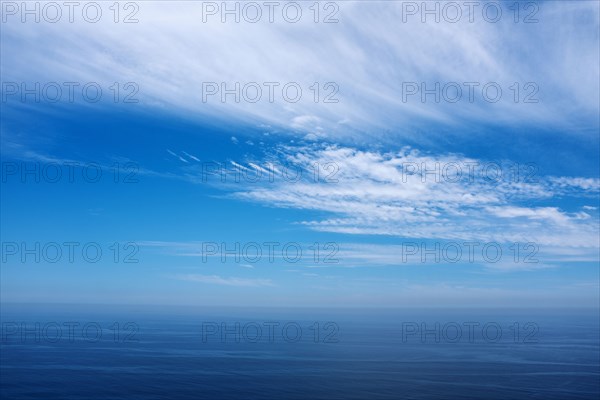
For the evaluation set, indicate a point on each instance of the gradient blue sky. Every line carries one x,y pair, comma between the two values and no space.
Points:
370,135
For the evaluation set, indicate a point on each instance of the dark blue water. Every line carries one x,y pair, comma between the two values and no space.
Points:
175,353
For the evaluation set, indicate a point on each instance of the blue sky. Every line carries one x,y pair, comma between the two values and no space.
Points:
370,204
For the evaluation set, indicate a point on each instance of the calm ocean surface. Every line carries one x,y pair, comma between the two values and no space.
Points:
110,352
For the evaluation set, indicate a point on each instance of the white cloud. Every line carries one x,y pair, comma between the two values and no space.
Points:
218,280
512,267
577,183
191,156
382,194
178,156
369,53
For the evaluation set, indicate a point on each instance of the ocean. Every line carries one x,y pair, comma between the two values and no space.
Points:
129,352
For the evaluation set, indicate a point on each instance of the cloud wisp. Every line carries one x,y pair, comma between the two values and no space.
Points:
365,59
409,194
224,281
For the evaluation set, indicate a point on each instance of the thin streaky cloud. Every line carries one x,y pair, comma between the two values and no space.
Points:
224,281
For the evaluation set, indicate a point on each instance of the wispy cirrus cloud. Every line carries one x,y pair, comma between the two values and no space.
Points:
410,194
405,193
224,281
368,54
